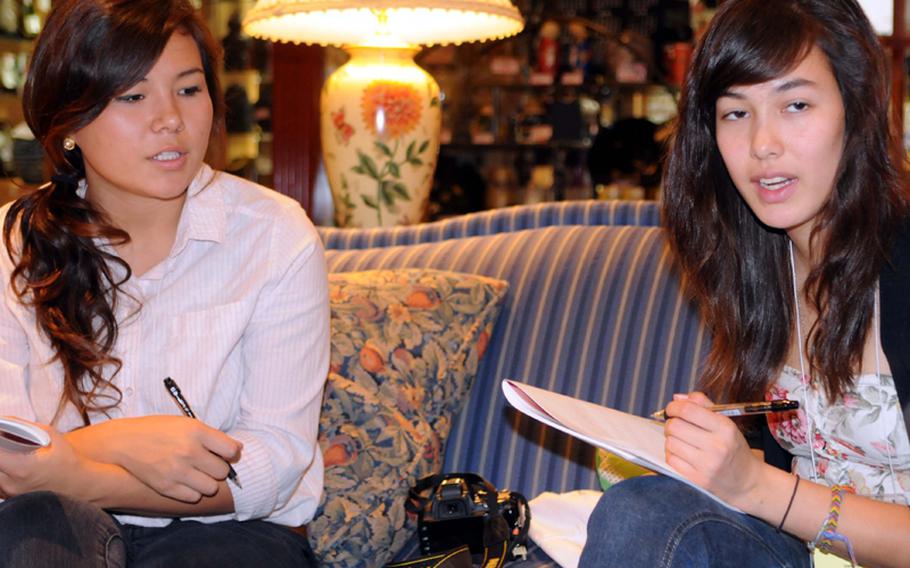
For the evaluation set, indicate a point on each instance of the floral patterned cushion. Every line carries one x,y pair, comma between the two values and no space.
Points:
405,349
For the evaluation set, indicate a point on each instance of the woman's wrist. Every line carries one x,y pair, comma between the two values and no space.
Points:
116,490
99,483
97,443
765,492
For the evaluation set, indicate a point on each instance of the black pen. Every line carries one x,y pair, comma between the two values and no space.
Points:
185,407
743,408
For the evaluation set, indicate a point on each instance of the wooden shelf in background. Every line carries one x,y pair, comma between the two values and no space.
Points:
15,45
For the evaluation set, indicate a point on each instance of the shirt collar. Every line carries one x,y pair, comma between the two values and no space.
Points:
204,217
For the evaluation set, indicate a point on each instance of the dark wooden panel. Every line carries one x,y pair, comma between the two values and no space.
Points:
898,53
297,80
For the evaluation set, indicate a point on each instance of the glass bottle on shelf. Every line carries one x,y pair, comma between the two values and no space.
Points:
42,8
9,17
9,74
30,20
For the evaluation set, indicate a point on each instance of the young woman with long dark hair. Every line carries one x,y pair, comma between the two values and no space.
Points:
786,205
136,263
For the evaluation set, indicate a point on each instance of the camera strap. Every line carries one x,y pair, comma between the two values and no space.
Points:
457,558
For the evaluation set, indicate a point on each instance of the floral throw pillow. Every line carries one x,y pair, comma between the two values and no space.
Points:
405,349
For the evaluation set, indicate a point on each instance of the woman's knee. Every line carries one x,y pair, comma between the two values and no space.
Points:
630,520
644,501
659,521
33,513
47,529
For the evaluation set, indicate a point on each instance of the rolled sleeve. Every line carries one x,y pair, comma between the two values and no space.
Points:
285,360
14,357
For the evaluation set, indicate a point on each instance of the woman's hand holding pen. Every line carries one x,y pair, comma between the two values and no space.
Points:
178,457
708,449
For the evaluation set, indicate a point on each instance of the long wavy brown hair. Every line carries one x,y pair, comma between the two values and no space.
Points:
89,52
737,267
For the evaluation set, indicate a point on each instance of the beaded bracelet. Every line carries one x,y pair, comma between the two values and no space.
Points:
828,531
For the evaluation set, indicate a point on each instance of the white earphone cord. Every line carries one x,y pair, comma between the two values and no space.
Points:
876,323
802,365
802,371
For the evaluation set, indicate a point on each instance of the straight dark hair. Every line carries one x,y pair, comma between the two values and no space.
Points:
737,267
89,52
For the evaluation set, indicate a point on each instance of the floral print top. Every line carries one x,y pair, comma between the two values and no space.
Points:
851,440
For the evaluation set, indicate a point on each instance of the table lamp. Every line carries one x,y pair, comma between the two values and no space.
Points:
380,112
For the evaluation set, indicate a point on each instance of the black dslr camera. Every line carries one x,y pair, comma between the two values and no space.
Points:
465,509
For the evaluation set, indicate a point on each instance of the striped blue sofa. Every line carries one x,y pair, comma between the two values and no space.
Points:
594,310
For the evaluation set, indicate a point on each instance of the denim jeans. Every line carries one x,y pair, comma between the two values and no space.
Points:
656,521
43,529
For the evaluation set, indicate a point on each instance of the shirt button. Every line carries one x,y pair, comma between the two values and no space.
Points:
129,391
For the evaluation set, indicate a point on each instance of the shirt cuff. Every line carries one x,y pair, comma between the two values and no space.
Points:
257,499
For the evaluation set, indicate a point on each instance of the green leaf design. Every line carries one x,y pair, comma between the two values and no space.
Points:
368,201
401,190
345,214
368,165
385,193
389,188
384,148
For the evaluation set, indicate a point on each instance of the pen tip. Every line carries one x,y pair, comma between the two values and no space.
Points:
233,477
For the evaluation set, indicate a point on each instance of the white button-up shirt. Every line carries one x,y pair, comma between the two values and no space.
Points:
238,316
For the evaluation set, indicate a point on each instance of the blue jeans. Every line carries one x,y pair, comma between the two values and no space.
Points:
43,529
656,521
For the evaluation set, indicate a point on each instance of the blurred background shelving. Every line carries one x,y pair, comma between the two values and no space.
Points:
573,107
576,106
20,156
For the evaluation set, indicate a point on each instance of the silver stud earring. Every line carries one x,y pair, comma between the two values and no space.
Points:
69,144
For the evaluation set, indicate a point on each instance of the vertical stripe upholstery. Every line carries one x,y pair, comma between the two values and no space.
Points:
594,311
505,220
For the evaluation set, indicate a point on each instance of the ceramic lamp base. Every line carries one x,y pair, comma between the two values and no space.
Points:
380,125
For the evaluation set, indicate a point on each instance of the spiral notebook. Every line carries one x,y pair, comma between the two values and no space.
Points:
636,439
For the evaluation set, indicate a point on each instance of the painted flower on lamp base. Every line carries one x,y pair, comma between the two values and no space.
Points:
380,133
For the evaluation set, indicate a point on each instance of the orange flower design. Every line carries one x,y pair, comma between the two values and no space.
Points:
399,104
342,129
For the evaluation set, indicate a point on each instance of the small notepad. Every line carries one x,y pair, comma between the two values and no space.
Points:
633,438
